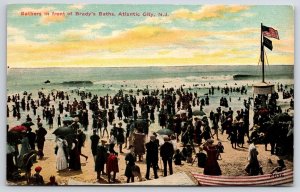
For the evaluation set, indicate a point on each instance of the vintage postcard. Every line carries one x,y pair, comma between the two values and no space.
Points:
150,95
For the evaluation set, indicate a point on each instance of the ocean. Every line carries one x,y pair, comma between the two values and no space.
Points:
110,79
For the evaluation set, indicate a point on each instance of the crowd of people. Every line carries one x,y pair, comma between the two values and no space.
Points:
138,112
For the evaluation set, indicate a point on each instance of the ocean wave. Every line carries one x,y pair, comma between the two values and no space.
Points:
251,76
77,83
210,77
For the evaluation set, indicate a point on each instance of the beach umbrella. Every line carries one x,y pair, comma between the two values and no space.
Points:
283,117
74,114
140,122
199,113
19,128
165,132
27,124
67,119
63,131
14,137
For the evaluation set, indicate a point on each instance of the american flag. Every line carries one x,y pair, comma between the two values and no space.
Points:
280,178
270,32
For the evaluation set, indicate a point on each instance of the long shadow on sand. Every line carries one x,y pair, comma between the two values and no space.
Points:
241,149
67,173
43,159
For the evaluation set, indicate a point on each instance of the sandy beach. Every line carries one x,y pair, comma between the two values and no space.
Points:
232,163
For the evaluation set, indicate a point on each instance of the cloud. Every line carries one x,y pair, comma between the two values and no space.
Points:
149,45
42,37
76,6
74,34
16,35
94,26
88,31
207,12
48,19
13,31
157,20
248,14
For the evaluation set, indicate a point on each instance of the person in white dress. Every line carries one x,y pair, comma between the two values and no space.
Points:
61,160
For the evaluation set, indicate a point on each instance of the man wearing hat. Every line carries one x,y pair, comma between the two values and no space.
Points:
113,130
81,140
120,137
166,153
152,157
94,143
40,139
76,125
130,159
101,158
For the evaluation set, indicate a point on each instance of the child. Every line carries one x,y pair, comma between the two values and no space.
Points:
189,150
184,153
177,157
201,158
281,166
52,181
220,149
37,179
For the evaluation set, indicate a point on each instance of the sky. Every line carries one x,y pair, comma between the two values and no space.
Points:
181,35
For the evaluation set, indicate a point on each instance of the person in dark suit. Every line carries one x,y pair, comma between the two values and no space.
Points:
81,140
40,139
101,158
94,143
152,157
166,153
31,138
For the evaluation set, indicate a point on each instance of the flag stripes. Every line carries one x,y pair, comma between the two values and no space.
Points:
284,177
269,32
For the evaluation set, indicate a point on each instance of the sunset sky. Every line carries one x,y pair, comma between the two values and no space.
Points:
188,35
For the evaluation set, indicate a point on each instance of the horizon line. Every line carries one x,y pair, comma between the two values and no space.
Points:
141,66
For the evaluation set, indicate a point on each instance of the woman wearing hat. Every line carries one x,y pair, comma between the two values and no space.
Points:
233,133
240,133
253,167
74,162
130,159
61,156
139,139
25,148
112,166
211,166
101,158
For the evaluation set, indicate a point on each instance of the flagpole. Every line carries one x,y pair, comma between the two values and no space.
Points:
262,54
